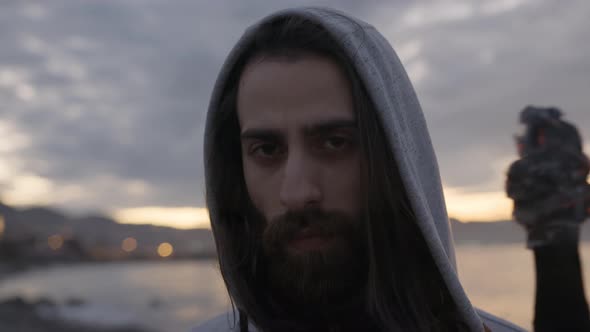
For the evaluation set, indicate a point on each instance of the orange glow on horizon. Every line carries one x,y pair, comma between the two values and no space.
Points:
478,206
177,217
462,203
165,249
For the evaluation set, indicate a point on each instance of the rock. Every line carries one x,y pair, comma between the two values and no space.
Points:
75,302
155,303
17,314
44,302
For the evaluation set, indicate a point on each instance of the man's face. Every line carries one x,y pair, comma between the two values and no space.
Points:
299,138
301,162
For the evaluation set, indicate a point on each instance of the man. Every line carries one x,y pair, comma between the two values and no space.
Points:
323,188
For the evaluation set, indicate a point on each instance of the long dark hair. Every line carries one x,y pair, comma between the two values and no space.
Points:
404,289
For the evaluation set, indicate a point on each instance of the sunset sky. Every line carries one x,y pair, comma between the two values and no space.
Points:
103,102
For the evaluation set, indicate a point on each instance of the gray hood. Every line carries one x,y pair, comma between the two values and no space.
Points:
396,103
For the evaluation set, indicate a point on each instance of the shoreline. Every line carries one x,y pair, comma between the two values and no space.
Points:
10,268
44,312
17,314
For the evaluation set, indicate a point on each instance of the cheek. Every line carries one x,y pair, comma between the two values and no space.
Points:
260,189
342,188
251,178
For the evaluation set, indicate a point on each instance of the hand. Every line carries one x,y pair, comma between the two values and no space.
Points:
551,198
548,186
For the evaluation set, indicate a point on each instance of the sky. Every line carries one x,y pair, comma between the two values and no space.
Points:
102,103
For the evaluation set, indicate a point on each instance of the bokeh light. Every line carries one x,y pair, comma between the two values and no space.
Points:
165,249
129,244
55,242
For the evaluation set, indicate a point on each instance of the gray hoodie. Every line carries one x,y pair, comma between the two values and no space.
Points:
398,108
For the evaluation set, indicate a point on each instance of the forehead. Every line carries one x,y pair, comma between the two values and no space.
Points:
276,91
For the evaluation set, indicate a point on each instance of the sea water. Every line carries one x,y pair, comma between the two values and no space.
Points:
175,295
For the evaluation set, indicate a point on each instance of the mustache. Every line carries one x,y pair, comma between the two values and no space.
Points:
284,228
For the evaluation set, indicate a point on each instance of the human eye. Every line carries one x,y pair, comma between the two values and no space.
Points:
336,143
265,150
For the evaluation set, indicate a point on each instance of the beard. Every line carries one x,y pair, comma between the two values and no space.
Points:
317,279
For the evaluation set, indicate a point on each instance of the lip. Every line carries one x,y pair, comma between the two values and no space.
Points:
308,233
309,239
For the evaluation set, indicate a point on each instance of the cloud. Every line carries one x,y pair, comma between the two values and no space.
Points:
485,62
106,100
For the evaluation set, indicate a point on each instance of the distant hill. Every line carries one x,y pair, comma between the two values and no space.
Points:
96,231
497,232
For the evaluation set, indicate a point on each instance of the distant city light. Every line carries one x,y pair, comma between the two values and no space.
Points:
55,242
165,249
2,225
129,244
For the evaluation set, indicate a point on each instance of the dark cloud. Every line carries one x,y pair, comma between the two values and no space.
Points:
114,93
485,67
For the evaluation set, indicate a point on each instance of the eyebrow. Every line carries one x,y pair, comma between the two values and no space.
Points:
311,130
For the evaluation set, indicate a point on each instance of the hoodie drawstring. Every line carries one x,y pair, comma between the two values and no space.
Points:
243,321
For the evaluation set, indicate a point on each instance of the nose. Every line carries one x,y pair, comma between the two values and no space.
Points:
300,188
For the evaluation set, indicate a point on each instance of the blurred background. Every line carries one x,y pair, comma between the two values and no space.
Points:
103,225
